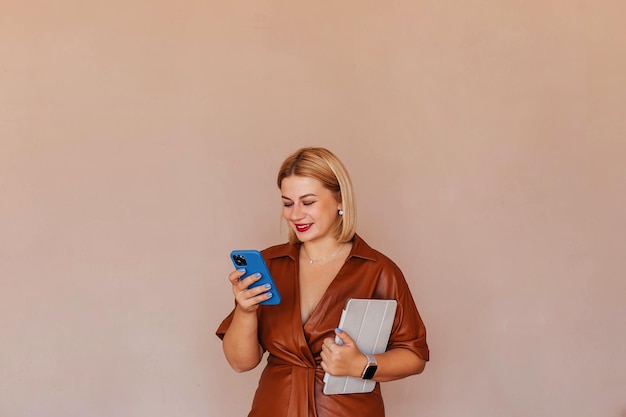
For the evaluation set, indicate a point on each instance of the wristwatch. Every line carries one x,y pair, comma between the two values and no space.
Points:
370,368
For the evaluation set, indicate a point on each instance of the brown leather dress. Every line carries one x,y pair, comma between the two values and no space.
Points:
292,381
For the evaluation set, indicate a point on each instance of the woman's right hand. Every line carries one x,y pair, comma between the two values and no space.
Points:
247,298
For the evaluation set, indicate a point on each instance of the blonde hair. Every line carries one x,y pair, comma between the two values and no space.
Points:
322,165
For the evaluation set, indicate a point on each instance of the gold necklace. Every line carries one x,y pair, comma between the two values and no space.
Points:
331,256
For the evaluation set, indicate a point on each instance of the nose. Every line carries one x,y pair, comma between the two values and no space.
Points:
296,212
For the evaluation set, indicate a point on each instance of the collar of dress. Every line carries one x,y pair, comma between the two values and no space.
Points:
360,249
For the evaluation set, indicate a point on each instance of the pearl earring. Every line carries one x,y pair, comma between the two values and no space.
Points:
341,212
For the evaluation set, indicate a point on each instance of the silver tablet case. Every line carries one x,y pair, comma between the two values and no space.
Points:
369,323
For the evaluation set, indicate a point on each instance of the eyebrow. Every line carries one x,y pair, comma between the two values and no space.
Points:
301,197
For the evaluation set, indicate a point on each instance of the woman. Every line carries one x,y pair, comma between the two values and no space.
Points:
324,264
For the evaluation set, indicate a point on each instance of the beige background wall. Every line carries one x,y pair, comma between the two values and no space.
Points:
139,145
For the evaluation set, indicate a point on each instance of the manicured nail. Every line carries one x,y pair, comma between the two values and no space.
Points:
269,294
268,286
338,330
242,270
258,275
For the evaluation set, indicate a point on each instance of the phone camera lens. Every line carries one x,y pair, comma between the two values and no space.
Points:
240,260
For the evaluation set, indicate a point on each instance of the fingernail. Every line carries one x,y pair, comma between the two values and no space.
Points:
268,286
338,330
269,294
258,275
242,270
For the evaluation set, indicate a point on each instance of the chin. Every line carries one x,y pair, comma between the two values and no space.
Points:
304,237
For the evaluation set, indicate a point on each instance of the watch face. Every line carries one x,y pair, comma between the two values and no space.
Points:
370,371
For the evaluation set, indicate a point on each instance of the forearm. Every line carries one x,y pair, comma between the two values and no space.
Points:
241,344
395,364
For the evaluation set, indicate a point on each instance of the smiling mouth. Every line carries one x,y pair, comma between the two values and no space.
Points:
302,227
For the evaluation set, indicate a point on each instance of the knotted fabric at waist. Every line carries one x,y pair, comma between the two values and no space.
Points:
302,396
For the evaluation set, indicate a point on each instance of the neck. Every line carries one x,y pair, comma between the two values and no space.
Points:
321,253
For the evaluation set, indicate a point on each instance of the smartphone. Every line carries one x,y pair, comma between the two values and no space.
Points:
252,261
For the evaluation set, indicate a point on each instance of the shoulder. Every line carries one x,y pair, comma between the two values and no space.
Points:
364,251
385,275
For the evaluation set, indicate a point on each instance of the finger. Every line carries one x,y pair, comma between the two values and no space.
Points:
254,295
327,342
249,280
328,345
257,290
241,285
344,337
262,297
235,276
250,302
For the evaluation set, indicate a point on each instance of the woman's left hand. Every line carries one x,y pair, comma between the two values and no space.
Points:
342,360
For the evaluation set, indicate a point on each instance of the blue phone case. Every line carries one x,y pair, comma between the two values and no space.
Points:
252,261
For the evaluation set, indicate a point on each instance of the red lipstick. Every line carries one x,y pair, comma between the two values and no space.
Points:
302,227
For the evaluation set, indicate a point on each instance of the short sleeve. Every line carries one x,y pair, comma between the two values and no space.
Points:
409,331
223,327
